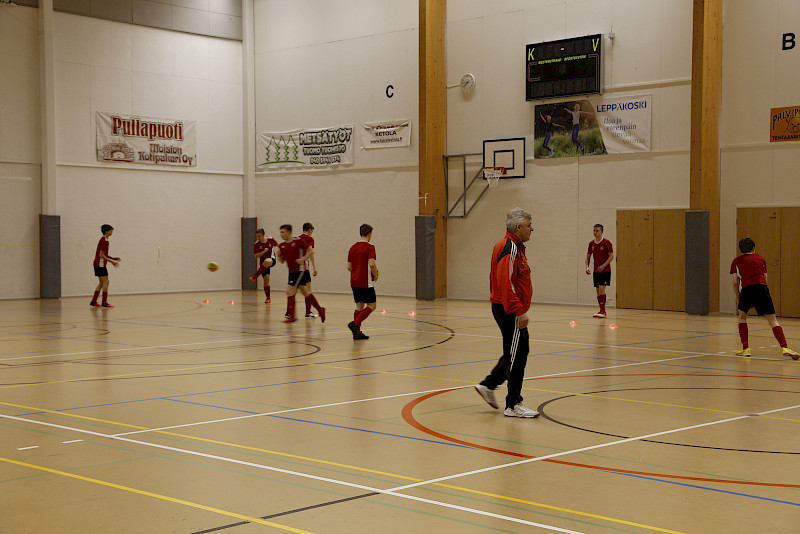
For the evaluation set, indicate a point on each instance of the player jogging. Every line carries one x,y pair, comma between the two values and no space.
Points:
511,291
101,259
262,251
749,272
308,229
601,250
363,272
291,252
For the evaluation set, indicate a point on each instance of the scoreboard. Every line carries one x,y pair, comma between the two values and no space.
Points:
563,68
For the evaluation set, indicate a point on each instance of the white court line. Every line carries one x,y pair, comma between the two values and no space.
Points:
393,491
248,416
26,448
299,474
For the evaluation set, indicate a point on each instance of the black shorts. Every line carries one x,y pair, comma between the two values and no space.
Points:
756,296
266,272
364,294
601,279
101,271
299,278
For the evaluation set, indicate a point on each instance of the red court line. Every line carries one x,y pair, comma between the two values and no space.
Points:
408,416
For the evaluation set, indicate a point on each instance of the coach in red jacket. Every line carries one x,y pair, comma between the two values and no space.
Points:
511,290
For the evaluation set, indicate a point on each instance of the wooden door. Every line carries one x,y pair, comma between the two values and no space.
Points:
634,258
669,260
790,265
763,225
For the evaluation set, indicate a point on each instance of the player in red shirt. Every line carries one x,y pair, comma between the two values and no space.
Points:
262,250
511,292
363,273
749,271
308,229
101,259
603,252
292,252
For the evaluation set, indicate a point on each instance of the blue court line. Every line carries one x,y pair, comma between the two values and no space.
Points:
707,489
332,426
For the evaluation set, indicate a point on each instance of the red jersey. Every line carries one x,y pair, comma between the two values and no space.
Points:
267,245
102,246
751,269
510,276
600,251
291,252
309,242
359,257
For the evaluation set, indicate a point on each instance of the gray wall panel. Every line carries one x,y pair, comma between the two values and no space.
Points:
697,262
226,26
118,10
79,7
190,20
155,14
202,5
49,256
249,263
226,7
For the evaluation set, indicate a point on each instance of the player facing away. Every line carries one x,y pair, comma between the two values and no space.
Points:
511,291
101,259
363,272
292,252
749,272
262,251
576,124
308,229
603,252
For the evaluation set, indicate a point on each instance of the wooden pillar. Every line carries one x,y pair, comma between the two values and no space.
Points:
706,102
433,127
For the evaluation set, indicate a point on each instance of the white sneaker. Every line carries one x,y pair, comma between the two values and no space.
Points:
600,314
520,411
487,394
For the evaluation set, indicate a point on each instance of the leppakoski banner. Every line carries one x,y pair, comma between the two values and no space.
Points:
305,148
599,126
134,139
386,134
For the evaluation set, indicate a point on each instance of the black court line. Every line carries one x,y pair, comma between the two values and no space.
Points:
288,512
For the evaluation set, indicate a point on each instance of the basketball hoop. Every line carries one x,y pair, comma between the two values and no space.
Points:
493,174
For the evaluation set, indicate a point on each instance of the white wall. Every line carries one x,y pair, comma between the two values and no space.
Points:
651,54
20,163
321,64
169,222
756,76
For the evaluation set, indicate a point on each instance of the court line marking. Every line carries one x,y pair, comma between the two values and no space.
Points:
156,495
368,399
268,468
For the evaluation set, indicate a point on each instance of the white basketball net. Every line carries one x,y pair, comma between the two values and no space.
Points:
493,174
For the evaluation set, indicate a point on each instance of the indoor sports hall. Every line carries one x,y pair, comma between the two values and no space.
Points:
152,380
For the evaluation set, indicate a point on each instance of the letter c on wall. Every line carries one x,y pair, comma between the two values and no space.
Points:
389,88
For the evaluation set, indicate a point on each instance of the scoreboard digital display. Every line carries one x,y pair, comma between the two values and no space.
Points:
563,68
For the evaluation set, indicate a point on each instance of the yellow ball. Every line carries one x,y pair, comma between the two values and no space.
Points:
212,266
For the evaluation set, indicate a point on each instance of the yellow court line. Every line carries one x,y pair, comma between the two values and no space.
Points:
158,496
198,367
585,514
336,464
562,392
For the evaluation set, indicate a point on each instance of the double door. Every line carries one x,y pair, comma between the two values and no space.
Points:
650,258
776,232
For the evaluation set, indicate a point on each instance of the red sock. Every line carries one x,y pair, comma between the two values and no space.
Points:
601,299
94,297
290,306
743,335
362,315
105,299
778,333
266,291
311,300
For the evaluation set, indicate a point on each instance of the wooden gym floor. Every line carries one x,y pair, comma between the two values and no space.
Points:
166,414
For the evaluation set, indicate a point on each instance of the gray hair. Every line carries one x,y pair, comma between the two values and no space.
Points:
515,217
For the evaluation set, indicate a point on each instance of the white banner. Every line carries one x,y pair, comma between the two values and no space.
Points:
306,148
386,134
134,139
625,123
